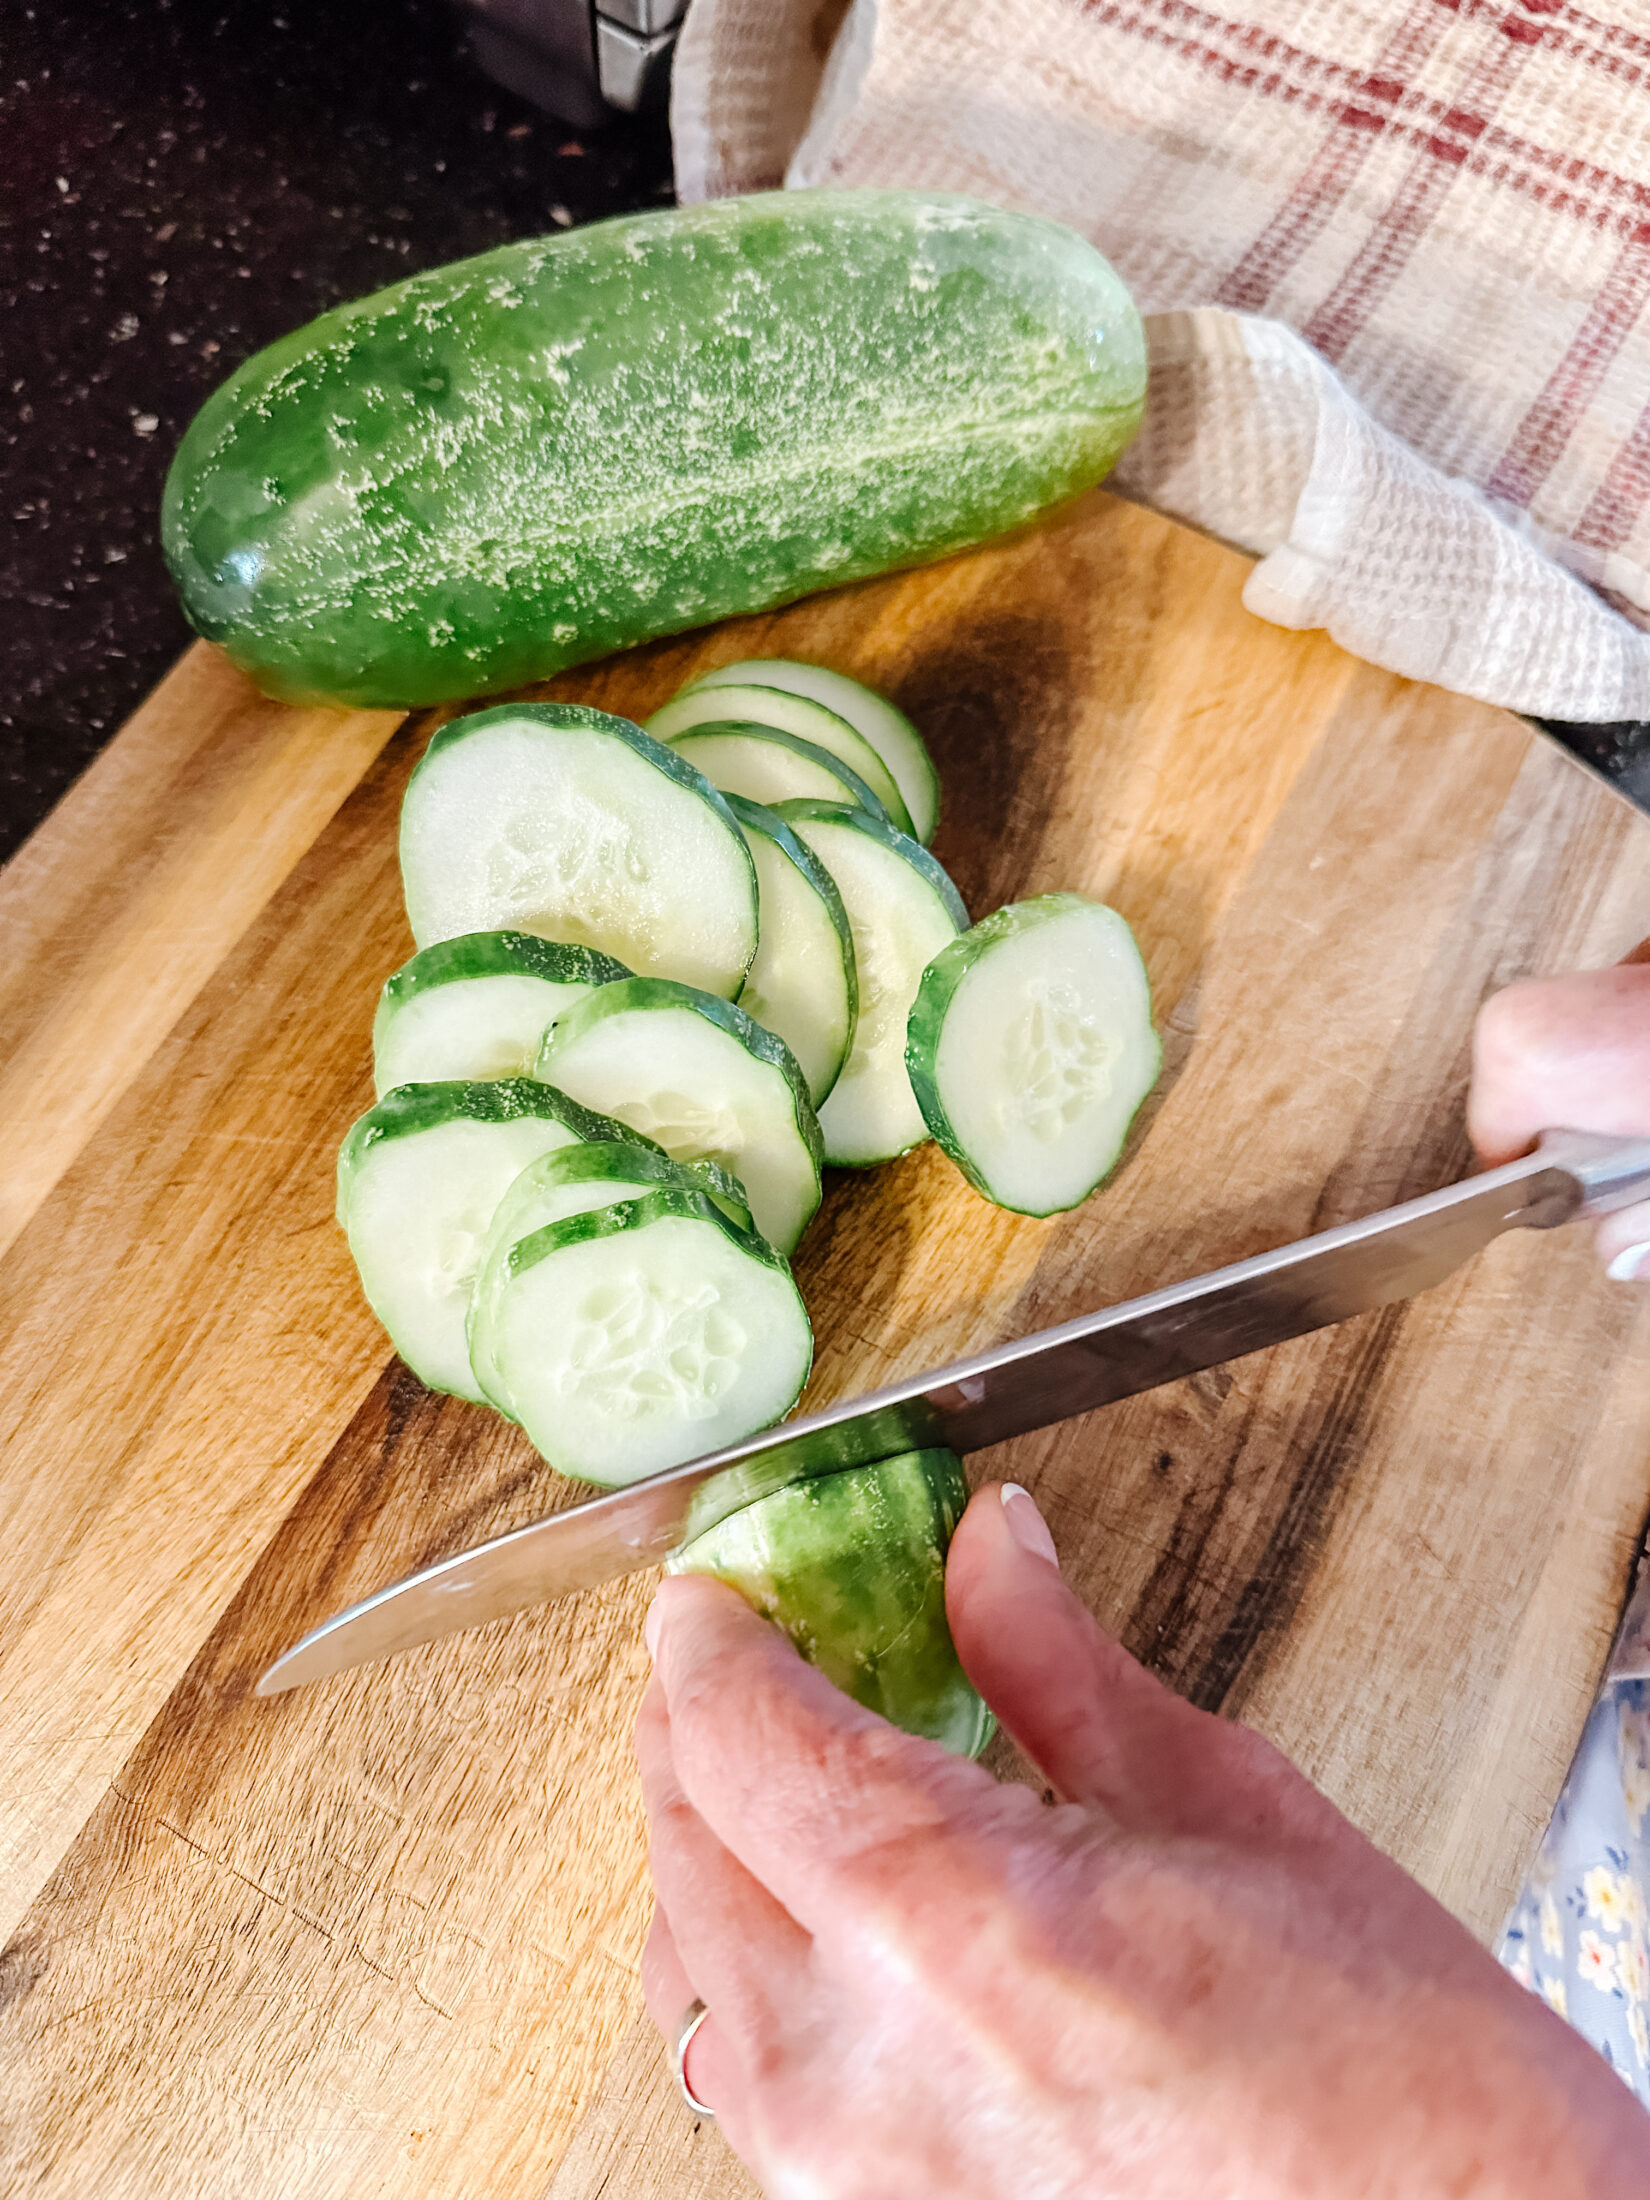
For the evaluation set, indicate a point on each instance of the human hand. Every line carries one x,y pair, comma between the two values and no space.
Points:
1570,1053
1192,1976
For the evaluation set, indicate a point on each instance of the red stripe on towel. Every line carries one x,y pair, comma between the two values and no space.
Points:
1384,254
1541,435
1328,175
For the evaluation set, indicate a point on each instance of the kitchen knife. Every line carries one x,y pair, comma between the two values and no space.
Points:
1010,1391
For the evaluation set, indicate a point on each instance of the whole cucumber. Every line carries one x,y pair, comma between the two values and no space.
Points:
570,445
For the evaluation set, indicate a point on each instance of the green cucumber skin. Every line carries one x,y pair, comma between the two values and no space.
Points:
864,797
756,817
570,445
636,1214
796,676
413,1108
767,707
499,955
927,866
852,1567
631,1159
939,982
630,993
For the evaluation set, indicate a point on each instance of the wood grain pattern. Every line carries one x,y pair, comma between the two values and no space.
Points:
130,895
381,1936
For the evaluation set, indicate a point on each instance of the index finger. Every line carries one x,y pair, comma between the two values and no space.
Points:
1568,1053
807,1789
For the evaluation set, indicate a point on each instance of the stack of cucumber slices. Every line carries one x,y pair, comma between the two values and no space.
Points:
663,975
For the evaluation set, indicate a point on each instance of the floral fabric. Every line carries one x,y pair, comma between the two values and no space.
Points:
1579,1934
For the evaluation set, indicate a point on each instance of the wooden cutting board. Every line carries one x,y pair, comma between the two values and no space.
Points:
381,1936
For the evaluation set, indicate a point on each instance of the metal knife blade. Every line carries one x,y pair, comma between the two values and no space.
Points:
1010,1391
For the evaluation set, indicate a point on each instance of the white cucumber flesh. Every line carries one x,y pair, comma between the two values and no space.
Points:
899,744
705,1081
1031,1047
478,1006
765,766
784,713
902,909
419,1179
803,983
629,1338
564,821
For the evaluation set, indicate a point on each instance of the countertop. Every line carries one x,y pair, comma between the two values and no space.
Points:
185,182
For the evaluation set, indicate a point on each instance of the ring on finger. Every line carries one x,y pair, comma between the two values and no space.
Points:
693,2016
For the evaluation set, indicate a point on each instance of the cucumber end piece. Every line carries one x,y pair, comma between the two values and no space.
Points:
852,1567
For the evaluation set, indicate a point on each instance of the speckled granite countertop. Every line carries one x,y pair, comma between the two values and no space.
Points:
184,182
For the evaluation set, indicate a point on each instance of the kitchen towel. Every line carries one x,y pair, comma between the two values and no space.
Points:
1394,257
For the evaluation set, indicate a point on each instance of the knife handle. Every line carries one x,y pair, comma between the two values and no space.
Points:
1610,1172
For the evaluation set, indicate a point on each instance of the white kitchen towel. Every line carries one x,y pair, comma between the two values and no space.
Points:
1436,435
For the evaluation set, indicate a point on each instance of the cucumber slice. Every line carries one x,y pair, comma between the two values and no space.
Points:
478,1006
765,766
803,983
701,1078
797,715
574,1180
1030,1048
631,1337
902,909
555,819
852,1567
899,744
419,1178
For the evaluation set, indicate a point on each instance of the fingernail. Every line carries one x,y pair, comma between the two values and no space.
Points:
650,1628
1026,1524
1631,1264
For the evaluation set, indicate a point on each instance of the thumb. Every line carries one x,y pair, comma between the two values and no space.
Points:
1095,1723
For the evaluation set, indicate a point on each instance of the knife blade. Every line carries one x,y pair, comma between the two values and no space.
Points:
1016,1388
